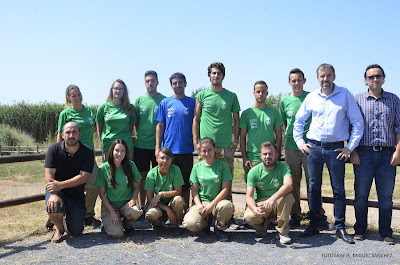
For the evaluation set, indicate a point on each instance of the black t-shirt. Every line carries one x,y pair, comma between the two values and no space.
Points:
68,166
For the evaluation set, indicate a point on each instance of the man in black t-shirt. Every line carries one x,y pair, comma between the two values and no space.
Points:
68,166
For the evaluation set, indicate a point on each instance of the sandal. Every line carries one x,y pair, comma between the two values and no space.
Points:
57,240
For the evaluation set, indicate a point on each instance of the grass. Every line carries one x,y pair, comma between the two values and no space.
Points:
27,178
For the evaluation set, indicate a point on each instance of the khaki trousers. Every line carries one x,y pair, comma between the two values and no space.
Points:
281,211
92,191
296,159
222,213
154,214
129,215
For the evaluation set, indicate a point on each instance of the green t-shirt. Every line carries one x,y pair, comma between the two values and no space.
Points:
267,182
288,108
260,125
210,178
156,182
121,194
216,115
146,108
115,125
85,120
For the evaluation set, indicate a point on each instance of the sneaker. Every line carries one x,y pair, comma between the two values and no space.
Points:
359,237
232,224
389,240
285,239
261,233
176,231
294,223
221,235
310,231
92,221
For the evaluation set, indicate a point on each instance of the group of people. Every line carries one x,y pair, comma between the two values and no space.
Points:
169,129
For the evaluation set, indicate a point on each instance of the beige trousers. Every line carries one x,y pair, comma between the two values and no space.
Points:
281,211
222,213
154,214
130,214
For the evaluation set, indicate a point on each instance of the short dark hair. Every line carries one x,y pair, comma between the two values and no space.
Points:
166,151
296,71
374,66
151,72
177,75
326,65
268,144
217,65
260,82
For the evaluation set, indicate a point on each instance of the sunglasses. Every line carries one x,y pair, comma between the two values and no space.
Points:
372,77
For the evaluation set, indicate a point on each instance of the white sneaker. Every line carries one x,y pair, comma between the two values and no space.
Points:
285,239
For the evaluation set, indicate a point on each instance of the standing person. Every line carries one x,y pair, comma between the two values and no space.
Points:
115,118
288,108
83,116
268,193
163,189
175,116
211,181
68,166
146,107
259,124
118,184
214,110
378,153
333,109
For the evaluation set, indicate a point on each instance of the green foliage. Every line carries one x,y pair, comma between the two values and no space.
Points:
39,120
196,91
13,137
274,100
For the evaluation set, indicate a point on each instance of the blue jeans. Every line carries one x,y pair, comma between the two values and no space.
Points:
374,164
320,155
75,212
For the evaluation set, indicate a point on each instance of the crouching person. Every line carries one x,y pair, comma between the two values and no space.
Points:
118,182
211,182
164,189
68,166
268,194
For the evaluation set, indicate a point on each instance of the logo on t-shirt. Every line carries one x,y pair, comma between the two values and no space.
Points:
155,109
171,112
142,110
126,179
171,187
216,179
90,119
223,104
276,183
260,185
289,112
186,111
268,120
107,116
109,183
253,124
201,180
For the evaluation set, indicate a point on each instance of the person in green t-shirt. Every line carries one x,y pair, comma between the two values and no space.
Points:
214,110
115,118
211,181
83,116
164,192
288,108
118,184
146,108
268,193
259,124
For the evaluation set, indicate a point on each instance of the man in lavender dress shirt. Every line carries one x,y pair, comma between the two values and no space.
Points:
376,156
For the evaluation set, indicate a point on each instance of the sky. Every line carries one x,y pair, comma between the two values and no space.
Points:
47,45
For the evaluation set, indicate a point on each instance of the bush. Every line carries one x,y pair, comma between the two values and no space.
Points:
13,137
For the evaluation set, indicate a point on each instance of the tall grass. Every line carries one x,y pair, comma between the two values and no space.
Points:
12,137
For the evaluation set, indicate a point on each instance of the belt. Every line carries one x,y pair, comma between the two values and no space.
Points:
322,144
378,148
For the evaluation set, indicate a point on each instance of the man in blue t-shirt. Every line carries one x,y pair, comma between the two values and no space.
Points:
174,129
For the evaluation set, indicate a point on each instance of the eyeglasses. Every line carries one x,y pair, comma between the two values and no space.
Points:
372,77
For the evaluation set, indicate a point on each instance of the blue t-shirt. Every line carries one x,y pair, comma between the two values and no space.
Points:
177,114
